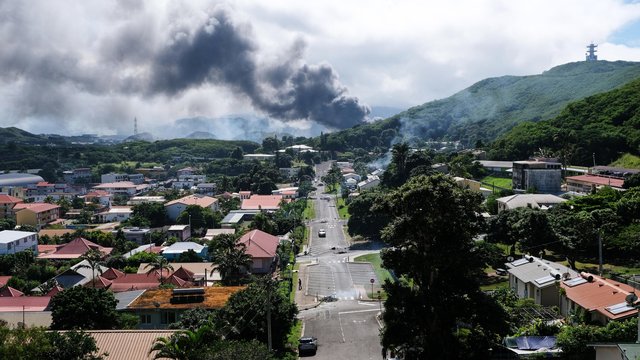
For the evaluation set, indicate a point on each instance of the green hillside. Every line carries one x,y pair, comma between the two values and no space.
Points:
492,106
13,134
607,125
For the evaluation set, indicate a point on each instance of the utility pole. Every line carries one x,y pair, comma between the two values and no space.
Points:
599,253
269,315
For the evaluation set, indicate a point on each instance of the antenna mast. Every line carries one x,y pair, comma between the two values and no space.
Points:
135,126
591,52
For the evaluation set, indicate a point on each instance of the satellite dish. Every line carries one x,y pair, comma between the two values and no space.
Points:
510,259
631,298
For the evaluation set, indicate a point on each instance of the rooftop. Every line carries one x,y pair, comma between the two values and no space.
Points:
260,244
203,201
182,246
597,180
538,271
12,235
128,344
265,202
71,250
215,297
36,207
533,200
118,184
7,199
605,296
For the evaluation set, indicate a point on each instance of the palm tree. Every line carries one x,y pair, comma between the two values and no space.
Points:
230,258
161,264
94,261
184,345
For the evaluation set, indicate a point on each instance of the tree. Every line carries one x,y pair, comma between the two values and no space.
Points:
91,309
94,262
270,144
263,222
237,153
36,343
396,173
161,265
431,245
199,217
363,221
189,256
230,258
149,214
184,345
254,300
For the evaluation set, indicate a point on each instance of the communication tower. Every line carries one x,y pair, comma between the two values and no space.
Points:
591,52
135,126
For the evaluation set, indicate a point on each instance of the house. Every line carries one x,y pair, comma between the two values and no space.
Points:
176,207
128,344
126,188
612,351
8,291
181,232
371,182
206,189
36,214
136,200
351,175
135,234
533,277
100,196
286,192
77,275
7,203
151,248
199,273
115,214
77,176
262,202
258,156
534,201
497,166
27,310
188,181
117,281
235,217
157,309
298,149
71,250
262,247
173,252
113,178
542,175
185,171
588,183
12,242
244,194
603,299
212,233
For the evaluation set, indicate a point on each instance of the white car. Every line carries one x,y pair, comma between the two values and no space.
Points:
322,233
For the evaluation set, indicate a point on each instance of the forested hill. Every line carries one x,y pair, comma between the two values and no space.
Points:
492,106
606,125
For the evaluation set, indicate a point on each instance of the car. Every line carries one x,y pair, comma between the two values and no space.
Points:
320,184
322,233
308,345
501,272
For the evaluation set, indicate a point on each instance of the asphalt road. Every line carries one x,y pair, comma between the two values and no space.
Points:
346,328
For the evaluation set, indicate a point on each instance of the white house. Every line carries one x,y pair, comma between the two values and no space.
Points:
116,214
532,277
123,187
535,201
12,242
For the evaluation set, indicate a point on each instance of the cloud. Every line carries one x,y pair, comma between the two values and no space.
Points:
95,65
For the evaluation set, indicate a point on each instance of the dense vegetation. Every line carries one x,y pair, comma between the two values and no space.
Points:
607,125
491,107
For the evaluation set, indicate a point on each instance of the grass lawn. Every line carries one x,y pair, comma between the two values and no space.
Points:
292,295
375,260
293,339
494,286
504,183
343,208
310,211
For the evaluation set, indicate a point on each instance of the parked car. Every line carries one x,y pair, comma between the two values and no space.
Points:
322,233
308,345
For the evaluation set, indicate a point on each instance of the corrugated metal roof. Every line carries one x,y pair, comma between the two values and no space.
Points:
126,297
529,272
600,294
128,344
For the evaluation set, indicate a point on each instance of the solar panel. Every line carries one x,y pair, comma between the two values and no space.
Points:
575,281
520,262
545,280
619,308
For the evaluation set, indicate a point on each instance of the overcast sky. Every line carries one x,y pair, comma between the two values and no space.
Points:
74,67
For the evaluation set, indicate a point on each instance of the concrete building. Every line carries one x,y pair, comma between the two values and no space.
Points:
542,176
6,206
77,176
126,188
180,232
12,242
588,183
136,200
534,201
176,207
36,214
173,252
113,177
115,214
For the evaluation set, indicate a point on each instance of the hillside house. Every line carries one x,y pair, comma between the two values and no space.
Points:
262,247
36,214
176,207
7,203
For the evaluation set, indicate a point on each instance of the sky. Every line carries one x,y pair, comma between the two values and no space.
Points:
75,67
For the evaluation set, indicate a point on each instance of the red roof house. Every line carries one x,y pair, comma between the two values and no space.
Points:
261,246
4,280
117,281
6,205
8,291
71,250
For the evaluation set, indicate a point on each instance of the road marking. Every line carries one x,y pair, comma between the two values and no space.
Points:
357,311
341,329
366,303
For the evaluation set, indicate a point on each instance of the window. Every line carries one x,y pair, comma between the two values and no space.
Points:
8,246
167,317
145,319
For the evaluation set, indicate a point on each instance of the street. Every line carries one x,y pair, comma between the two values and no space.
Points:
346,327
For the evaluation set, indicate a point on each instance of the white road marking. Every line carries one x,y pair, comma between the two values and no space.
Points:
366,303
357,311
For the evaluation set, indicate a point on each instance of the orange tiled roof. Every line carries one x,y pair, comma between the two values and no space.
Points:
36,207
599,294
215,297
202,201
7,199
260,244
597,180
265,202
